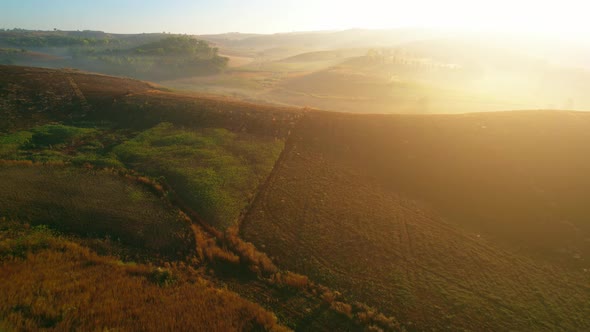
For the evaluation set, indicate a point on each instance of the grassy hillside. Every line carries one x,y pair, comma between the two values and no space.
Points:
204,155
215,171
52,283
93,204
433,219
474,222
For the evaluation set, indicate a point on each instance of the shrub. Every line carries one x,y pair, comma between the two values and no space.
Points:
54,134
290,279
342,308
328,296
257,261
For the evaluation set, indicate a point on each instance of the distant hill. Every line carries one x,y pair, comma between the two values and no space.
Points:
147,56
340,54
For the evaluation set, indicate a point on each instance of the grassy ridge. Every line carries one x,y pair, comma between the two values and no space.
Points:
75,98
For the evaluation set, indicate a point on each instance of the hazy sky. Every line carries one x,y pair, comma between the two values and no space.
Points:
564,17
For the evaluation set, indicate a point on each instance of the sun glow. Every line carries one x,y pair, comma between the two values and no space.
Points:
564,19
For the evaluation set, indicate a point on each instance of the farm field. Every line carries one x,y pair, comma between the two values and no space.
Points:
360,199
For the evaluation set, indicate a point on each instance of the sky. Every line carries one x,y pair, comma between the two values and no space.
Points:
557,18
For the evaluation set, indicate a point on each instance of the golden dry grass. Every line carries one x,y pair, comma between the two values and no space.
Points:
51,283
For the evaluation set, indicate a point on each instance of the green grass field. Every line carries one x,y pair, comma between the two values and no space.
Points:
214,170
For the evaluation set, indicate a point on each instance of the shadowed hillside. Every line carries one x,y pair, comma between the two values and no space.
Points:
93,204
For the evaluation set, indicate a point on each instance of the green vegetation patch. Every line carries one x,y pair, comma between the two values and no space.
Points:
178,45
58,142
94,204
214,170
10,144
54,134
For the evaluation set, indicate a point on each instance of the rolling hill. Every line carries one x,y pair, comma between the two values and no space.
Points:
303,219
98,131
146,56
451,222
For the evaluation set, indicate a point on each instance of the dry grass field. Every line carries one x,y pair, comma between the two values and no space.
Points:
53,284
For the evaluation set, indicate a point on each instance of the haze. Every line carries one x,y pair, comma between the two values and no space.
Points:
564,19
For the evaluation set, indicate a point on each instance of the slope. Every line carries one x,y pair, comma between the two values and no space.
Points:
114,128
438,220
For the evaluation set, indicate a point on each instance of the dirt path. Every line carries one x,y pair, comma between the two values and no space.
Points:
263,187
79,94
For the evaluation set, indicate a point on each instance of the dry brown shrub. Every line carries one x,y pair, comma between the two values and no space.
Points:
369,316
328,296
291,279
207,248
343,308
257,261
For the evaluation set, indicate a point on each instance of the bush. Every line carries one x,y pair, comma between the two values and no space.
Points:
291,279
55,134
342,308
